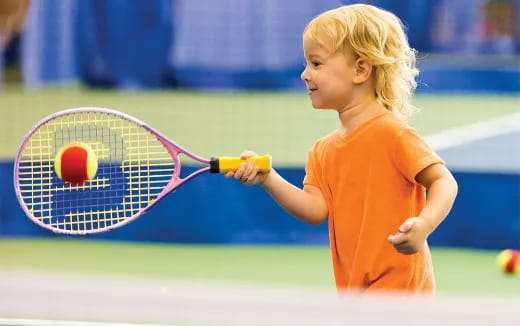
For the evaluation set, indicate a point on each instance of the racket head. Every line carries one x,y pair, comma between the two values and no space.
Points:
137,166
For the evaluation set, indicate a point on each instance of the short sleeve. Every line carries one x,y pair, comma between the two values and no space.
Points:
411,154
312,169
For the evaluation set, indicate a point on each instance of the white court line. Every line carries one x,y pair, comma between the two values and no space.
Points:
40,322
477,131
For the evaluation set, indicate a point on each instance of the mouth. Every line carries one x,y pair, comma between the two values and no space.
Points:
310,90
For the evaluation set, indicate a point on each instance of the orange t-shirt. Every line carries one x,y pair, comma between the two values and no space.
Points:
368,180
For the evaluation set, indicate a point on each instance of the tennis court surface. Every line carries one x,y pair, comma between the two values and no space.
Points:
107,301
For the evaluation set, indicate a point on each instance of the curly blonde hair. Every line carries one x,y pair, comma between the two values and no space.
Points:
378,37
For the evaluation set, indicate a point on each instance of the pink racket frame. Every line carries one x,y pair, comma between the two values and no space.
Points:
175,182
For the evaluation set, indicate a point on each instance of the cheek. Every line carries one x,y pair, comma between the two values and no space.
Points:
333,93
335,87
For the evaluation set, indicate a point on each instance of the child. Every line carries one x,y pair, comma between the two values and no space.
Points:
368,177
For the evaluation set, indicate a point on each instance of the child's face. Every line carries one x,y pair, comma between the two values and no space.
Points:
328,76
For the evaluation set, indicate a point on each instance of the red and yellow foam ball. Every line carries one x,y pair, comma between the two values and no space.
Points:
76,163
509,261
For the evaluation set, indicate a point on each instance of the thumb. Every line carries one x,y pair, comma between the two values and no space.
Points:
247,154
407,226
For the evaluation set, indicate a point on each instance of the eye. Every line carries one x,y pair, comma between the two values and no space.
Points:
316,64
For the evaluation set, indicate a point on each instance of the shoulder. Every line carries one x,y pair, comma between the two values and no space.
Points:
389,123
391,129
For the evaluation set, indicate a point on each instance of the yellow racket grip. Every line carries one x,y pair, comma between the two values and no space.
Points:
225,164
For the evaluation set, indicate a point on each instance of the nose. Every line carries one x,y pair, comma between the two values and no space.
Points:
305,74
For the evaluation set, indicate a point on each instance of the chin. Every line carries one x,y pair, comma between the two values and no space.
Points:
317,105
321,106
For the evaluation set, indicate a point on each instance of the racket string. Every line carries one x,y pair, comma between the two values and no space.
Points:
133,169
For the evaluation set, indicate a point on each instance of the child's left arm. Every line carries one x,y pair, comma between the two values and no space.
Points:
442,190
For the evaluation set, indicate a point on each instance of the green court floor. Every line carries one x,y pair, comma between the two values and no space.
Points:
223,124
458,271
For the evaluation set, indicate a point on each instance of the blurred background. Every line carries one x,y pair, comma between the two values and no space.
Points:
222,76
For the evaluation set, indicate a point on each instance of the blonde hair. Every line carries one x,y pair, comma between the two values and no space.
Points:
378,37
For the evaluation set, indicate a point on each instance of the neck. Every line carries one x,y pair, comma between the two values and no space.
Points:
356,113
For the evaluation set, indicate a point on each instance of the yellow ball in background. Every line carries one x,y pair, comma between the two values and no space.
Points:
509,261
75,163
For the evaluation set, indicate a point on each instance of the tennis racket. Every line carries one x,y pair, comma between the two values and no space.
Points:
137,167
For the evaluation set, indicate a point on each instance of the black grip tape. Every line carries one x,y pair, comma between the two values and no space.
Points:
214,166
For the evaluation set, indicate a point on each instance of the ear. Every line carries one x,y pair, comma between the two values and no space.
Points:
363,71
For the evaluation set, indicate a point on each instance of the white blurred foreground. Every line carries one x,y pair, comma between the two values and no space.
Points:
38,298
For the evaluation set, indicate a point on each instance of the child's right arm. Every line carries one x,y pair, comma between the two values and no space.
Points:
307,204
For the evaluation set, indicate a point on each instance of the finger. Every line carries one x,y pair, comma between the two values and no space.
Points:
397,239
394,238
407,251
229,174
407,248
249,175
402,246
407,226
253,174
248,170
240,171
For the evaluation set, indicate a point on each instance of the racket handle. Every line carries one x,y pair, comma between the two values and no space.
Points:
225,164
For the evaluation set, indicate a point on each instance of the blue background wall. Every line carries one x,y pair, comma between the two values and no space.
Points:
212,209
245,44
